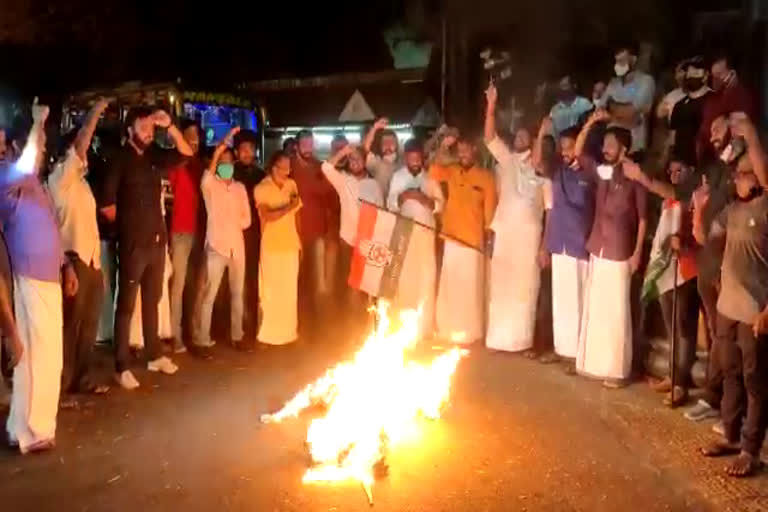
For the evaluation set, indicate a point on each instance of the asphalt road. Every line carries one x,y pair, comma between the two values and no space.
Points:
516,436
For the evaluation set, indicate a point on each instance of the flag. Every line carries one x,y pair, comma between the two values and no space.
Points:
660,274
388,254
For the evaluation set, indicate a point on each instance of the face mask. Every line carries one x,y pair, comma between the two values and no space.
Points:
605,172
621,69
225,171
390,158
693,84
720,84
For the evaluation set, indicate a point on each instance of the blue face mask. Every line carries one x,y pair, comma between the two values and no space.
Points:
225,171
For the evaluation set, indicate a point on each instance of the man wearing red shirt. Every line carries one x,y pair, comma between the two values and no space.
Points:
185,183
318,223
729,95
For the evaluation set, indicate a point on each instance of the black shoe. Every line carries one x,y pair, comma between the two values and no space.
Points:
201,352
244,345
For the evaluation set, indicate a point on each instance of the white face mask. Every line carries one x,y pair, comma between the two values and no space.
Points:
605,171
621,69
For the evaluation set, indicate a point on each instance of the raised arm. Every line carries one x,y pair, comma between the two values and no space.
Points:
491,97
332,174
28,162
220,148
379,125
544,130
755,151
163,120
85,134
596,117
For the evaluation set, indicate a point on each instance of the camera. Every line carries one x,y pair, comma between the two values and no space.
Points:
497,64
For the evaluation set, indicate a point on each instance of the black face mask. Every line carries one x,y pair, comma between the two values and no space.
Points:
693,84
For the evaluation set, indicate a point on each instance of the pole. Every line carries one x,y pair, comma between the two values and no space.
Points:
673,348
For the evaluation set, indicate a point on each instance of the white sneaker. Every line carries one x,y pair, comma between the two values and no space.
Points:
127,380
162,365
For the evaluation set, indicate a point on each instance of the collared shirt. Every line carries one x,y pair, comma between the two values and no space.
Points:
403,180
638,91
30,227
279,235
470,201
620,204
134,185
320,203
382,170
228,215
565,115
75,209
351,191
573,210
185,183
744,281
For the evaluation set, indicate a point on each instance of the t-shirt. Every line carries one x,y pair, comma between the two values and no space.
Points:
279,235
185,183
685,121
744,280
638,91
566,115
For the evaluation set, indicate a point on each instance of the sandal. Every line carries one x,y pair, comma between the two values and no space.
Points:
745,465
720,449
549,358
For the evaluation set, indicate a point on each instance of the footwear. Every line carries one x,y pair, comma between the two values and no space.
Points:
701,411
207,344
549,358
244,346
201,352
615,383
179,347
719,428
679,398
162,365
661,386
127,380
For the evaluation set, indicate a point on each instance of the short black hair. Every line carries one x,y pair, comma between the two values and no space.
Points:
273,159
723,55
413,145
629,46
187,122
623,135
244,136
287,142
139,112
303,134
570,133
339,137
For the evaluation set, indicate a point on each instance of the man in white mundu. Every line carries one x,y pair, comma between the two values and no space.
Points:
517,226
615,246
415,195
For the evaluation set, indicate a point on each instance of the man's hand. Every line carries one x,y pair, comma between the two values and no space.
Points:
161,119
15,351
701,195
632,170
491,95
599,115
760,324
231,135
39,112
634,262
674,243
70,281
544,258
101,105
381,123
547,127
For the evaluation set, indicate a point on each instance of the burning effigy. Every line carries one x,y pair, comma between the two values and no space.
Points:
370,402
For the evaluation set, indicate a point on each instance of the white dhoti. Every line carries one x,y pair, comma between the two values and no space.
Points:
605,342
515,279
107,320
569,281
460,295
37,378
278,295
163,311
418,280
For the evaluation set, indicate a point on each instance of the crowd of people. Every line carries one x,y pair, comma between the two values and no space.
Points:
574,197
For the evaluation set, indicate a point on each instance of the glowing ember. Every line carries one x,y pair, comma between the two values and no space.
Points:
372,402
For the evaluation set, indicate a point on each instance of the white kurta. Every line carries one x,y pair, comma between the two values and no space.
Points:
605,342
37,378
461,294
569,281
515,274
421,292
278,296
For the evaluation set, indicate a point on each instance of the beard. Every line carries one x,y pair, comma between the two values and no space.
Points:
139,142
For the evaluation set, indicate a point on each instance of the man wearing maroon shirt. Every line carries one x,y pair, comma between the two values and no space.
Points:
318,224
185,183
729,95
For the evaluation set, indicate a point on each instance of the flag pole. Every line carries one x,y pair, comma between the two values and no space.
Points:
673,403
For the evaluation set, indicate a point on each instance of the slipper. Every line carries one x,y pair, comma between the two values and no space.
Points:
720,449
615,383
745,465
549,358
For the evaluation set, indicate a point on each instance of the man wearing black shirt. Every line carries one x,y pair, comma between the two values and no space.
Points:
131,199
686,115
